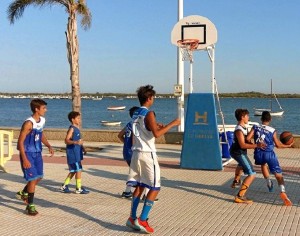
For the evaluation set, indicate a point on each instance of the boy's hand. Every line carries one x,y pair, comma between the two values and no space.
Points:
26,163
80,142
176,122
160,125
84,151
261,145
51,151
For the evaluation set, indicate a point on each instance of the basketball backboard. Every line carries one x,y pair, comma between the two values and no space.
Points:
195,27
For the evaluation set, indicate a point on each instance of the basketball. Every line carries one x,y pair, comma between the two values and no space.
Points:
286,137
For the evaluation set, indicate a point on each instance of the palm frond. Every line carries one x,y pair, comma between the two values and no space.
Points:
16,8
85,13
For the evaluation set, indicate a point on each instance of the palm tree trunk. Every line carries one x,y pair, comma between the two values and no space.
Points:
73,55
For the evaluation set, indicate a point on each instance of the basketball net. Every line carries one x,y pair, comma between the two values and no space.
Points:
187,46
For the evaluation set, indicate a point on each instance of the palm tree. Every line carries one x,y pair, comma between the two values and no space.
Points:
73,7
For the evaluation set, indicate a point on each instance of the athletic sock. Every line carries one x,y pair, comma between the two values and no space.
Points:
134,205
25,189
243,190
67,181
282,188
78,183
268,180
128,188
30,198
146,209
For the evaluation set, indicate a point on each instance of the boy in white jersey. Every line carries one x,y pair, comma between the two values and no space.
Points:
238,151
30,146
266,157
144,168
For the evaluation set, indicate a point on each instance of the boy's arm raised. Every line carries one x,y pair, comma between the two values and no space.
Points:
151,124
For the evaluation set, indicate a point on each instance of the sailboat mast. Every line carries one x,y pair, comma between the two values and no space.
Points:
271,95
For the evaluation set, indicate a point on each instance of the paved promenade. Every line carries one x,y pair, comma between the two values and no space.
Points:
191,202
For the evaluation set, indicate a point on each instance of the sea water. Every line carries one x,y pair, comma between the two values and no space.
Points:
14,111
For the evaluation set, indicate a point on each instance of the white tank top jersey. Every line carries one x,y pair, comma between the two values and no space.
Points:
143,139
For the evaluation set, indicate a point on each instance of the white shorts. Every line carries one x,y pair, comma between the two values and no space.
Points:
144,170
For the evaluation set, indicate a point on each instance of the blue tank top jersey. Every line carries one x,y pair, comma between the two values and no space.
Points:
127,152
264,134
74,151
33,140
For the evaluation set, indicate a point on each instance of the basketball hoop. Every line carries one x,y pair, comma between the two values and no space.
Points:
187,46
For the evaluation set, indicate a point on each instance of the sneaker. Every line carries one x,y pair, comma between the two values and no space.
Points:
130,223
236,184
82,191
65,189
143,226
285,199
271,187
144,197
31,210
127,195
242,200
21,195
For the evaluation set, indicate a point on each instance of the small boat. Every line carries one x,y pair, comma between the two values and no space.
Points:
97,98
116,108
110,123
259,111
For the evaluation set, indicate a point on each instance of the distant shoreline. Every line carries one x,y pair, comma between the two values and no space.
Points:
99,96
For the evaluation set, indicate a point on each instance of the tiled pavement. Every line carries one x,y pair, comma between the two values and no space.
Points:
191,202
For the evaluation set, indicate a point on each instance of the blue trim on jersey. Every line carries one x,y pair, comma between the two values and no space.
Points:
75,167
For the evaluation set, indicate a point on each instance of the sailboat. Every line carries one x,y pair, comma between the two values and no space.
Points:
258,112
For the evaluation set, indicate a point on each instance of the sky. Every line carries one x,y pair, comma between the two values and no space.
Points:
129,45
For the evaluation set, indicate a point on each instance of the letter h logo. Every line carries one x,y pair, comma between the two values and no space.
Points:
199,118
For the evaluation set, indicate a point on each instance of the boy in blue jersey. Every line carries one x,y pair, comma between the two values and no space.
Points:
266,157
75,152
30,143
144,167
125,135
238,151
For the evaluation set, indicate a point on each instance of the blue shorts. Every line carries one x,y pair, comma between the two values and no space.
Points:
270,158
36,169
75,167
245,163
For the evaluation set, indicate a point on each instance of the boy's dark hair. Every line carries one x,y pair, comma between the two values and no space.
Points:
132,110
239,113
36,103
265,116
73,115
145,92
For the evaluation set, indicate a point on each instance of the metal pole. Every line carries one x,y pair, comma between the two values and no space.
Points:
211,54
191,76
180,75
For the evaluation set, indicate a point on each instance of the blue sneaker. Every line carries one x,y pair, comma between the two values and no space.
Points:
82,191
271,187
65,189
